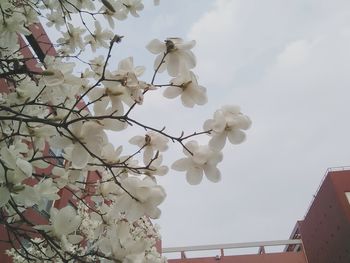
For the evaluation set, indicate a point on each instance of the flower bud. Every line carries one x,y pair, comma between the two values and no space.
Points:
108,5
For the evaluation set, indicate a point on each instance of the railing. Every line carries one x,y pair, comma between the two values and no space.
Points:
261,245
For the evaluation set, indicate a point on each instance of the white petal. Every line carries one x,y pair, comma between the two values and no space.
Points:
218,141
201,96
212,173
158,61
4,196
156,46
192,146
147,155
66,221
75,239
137,140
153,213
202,155
232,109
172,92
245,122
181,164
187,101
126,64
215,158
8,157
114,125
25,167
173,66
219,122
208,125
186,45
236,136
189,59
194,175
79,156
101,105
139,70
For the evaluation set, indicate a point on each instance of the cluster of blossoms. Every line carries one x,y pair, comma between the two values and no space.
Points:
53,135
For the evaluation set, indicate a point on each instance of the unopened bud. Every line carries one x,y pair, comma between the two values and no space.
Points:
147,139
170,46
108,5
117,39
17,188
47,73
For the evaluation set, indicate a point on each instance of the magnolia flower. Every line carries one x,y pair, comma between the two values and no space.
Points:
156,168
110,154
202,159
186,85
151,142
126,66
97,65
26,89
10,27
72,38
113,9
174,55
146,196
38,194
122,245
128,75
99,37
80,4
55,18
59,80
110,94
63,223
228,122
68,177
20,169
132,6
91,138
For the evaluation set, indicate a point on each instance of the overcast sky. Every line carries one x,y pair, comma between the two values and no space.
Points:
287,64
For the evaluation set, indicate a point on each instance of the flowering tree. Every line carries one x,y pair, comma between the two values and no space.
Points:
57,107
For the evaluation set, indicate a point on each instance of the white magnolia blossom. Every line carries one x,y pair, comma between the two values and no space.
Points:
147,195
91,138
10,27
64,223
99,38
54,147
59,81
73,38
150,143
228,122
174,55
128,74
186,86
156,168
202,160
132,6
